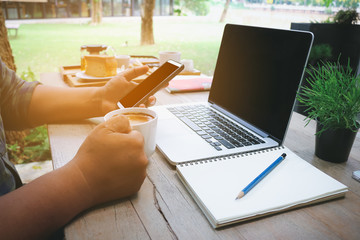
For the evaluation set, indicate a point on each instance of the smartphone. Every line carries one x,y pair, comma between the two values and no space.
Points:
151,84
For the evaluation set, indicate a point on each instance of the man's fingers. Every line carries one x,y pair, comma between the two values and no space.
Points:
135,72
118,123
149,103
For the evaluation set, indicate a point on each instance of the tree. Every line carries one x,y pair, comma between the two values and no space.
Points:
226,7
12,137
147,32
5,49
96,11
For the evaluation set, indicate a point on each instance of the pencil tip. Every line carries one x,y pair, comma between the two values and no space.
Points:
241,194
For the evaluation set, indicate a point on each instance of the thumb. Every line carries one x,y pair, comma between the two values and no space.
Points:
118,123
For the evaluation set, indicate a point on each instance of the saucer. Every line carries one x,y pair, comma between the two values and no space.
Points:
83,75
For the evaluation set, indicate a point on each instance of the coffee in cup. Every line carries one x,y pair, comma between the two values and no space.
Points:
137,118
143,120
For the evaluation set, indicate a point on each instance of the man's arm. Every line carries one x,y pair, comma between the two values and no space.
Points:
39,208
54,104
109,165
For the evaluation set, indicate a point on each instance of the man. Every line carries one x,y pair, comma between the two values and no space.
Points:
109,165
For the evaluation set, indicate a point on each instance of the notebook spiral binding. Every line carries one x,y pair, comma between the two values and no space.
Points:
222,158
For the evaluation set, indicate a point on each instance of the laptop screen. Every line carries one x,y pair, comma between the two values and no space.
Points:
257,75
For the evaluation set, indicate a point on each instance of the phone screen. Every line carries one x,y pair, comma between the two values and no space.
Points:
163,74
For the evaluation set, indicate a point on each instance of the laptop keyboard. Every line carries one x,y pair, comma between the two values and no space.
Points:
213,128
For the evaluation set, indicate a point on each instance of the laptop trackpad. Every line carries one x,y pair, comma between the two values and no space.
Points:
168,128
179,143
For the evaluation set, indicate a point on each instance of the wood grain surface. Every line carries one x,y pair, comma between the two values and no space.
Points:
163,209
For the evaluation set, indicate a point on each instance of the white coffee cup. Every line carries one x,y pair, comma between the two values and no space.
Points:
164,56
188,65
146,128
122,60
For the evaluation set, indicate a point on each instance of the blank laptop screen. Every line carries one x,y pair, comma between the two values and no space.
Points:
257,75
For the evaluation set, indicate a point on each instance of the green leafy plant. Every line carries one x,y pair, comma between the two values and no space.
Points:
178,12
28,75
37,144
199,7
349,16
15,153
320,51
33,148
332,97
341,3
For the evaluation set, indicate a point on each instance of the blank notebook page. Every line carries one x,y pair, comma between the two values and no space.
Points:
216,184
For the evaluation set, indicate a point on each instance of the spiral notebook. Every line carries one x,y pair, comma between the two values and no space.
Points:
215,183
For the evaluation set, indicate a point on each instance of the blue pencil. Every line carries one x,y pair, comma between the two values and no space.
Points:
261,176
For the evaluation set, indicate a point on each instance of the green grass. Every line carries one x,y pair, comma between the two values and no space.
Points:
46,47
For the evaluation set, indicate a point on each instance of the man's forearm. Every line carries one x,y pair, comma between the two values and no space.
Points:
54,104
39,208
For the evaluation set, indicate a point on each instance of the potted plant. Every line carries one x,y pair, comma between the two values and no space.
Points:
336,39
332,98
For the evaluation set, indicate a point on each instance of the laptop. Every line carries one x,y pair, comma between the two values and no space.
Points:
256,79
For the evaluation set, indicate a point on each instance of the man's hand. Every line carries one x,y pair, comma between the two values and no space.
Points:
51,104
118,87
109,165
112,160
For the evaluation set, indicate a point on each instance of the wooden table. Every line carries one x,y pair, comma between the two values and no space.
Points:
163,209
